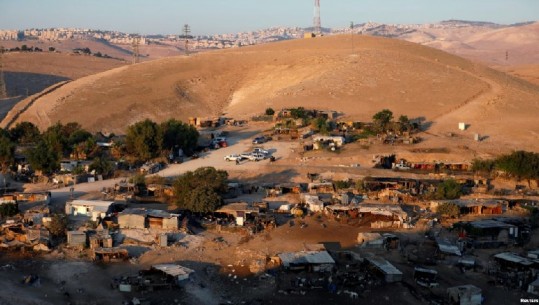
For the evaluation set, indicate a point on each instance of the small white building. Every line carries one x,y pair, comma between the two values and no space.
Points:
90,208
313,202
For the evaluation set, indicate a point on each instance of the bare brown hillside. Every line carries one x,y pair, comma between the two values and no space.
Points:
322,73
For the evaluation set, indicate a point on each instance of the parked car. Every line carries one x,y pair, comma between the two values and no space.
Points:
259,140
257,157
260,150
233,157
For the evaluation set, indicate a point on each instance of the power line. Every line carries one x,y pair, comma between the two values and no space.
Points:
186,34
135,45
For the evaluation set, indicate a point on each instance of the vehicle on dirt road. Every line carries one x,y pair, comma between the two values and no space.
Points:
232,157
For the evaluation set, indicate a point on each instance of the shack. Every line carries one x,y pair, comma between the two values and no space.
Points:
110,254
132,218
240,211
177,273
465,295
76,239
312,202
140,218
533,287
317,261
100,239
91,208
512,261
320,187
389,272
476,207
445,247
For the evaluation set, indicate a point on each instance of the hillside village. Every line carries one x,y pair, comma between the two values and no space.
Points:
242,226
373,163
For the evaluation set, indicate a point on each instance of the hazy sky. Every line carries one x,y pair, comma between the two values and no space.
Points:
226,16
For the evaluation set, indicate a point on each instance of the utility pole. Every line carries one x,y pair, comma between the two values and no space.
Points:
186,34
3,90
352,34
135,45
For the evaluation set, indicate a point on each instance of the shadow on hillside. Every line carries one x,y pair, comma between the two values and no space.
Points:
25,84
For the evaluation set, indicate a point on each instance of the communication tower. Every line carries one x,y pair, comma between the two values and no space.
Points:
316,20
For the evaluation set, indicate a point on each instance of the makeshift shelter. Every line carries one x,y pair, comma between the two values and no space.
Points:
132,219
318,261
177,272
76,239
390,273
465,295
446,248
312,202
140,218
533,287
239,210
110,254
512,261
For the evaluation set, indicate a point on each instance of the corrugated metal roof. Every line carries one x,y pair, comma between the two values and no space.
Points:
173,269
511,257
91,203
446,247
306,257
490,223
384,266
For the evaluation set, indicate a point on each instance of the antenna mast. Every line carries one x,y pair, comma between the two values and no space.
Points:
316,20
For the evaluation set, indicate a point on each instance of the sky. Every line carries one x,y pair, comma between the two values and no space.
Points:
230,16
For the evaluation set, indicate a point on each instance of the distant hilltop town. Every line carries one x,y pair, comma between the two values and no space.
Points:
223,41
220,41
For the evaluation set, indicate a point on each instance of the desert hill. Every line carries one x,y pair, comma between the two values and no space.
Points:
37,70
357,78
117,51
487,44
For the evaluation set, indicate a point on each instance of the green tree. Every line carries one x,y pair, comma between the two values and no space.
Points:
102,167
144,140
58,224
404,123
206,182
483,166
177,134
52,49
8,209
203,199
298,113
7,152
448,209
44,157
25,133
322,125
520,164
449,189
383,118
270,111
